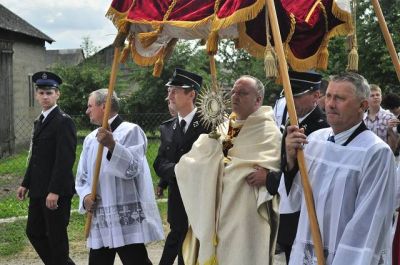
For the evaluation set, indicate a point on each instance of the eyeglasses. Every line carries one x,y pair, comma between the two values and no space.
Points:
239,93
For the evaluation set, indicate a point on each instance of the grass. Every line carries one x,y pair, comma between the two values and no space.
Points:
14,165
13,239
12,235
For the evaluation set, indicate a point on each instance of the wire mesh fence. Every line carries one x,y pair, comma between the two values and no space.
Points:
13,160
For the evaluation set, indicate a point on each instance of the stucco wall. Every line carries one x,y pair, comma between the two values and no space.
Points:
28,59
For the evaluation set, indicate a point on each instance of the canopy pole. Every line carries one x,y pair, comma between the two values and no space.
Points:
316,235
386,36
95,179
213,70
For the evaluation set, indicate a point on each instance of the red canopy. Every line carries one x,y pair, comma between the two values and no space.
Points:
306,26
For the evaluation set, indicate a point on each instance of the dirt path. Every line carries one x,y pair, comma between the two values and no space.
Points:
29,257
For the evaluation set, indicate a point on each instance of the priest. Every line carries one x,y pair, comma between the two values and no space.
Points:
232,217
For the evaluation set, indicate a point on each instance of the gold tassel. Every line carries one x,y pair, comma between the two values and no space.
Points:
352,63
353,60
270,68
212,43
158,66
148,38
124,54
323,57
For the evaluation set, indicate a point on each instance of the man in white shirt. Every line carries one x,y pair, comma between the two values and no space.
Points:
125,213
352,175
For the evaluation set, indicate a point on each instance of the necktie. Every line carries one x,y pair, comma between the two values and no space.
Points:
182,125
331,138
41,118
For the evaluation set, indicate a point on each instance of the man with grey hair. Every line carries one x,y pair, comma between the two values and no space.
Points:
125,213
222,183
352,174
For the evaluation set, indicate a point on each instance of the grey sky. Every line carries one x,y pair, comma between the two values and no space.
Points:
67,21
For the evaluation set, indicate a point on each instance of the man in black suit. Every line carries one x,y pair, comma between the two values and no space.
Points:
163,183
177,137
306,92
49,178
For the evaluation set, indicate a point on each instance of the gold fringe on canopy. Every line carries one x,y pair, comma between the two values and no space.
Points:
343,16
241,15
124,54
291,32
148,38
212,43
159,65
323,55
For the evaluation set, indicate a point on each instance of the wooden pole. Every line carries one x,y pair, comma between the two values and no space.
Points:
213,70
316,235
387,37
95,179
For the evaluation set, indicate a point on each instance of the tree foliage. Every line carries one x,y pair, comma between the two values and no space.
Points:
78,82
88,47
375,62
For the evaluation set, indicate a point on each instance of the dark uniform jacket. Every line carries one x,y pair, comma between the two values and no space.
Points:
288,222
174,144
52,156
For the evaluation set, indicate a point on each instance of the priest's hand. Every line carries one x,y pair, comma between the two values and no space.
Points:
295,139
89,204
258,177
106,138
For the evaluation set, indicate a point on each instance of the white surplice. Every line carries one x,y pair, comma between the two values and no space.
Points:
126,212
353,189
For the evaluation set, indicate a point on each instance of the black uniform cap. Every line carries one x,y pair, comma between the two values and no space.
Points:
46,80
185,79
303,82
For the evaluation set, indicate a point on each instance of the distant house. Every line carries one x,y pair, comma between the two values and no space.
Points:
105,57
64,57
22,53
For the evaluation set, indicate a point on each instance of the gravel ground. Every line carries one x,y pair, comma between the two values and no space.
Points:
29,257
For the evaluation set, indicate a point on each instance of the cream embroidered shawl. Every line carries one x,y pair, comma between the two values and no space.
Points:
231,222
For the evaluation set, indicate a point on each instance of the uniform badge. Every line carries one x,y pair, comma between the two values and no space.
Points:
44,76
195,124
304,126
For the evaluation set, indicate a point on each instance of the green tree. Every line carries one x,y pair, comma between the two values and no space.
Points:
375,63
78,82
88,46
152,91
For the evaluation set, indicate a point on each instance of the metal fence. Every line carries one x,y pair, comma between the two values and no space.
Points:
14,162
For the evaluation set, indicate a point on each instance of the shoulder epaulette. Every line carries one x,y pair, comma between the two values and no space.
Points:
168,121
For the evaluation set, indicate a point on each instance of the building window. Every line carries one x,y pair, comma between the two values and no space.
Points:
31,91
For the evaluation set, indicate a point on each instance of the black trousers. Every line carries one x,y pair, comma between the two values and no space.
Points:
134,254
47,230
287,232
178,223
